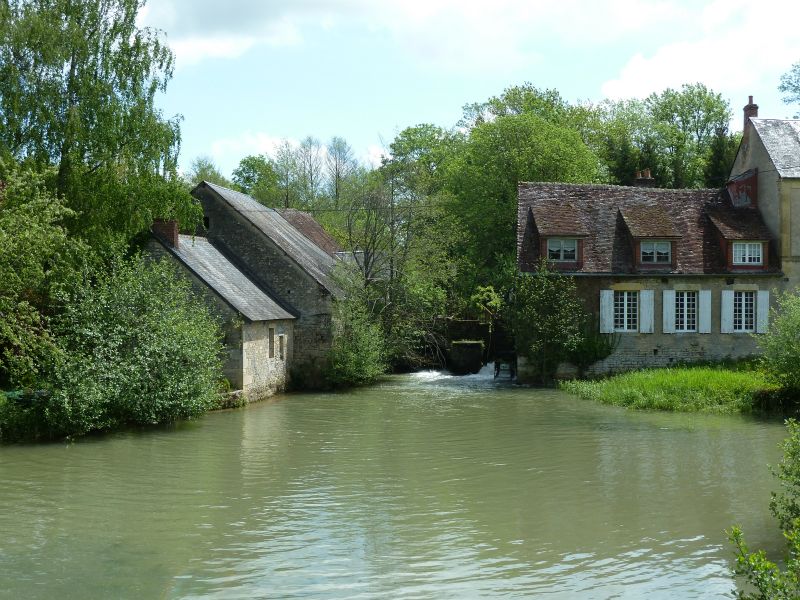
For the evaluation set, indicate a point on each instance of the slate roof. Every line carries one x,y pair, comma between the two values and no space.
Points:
612,214
781,138
309,227
206,262
311,258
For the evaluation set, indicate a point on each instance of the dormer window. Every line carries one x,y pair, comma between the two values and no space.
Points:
748,253
656,253
562,249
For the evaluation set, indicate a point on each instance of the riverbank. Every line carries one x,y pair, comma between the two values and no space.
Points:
705,389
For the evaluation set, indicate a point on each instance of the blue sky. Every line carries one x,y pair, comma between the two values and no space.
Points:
250,73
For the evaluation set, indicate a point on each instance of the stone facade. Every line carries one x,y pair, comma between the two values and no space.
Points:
266,356
291,270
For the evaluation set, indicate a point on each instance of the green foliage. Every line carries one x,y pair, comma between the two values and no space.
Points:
546,318
722,154
767,578
593,345
357,353
256,177
790,85
781,344
134,348
685,389
78,82
203,168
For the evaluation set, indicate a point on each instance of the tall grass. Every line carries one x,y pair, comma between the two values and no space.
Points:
687,389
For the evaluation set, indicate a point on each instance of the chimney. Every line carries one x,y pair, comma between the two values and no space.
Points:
644,179
750,110
166,231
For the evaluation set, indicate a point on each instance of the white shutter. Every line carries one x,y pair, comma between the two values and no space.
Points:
668,310
726,312
606,311
704,311
762,311
646,312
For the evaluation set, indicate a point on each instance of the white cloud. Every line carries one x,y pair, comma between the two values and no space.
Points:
734,50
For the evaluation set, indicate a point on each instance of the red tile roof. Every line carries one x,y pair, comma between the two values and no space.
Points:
309,227
611,215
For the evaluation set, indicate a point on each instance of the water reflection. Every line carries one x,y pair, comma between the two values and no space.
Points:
427,486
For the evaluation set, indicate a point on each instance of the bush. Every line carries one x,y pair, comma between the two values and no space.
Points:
768,579
356,355
781,344
135,348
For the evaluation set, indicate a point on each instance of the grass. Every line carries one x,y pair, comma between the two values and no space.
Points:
704,389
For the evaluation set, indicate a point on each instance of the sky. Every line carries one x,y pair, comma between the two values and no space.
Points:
250,73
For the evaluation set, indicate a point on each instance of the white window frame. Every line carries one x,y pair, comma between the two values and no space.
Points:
653,246
558,245
744,311
629,302
749,253
687,311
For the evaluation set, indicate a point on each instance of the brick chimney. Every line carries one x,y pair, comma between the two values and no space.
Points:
644,179
166,230
750,110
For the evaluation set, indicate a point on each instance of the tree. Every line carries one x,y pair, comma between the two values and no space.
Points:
203,168
257,177
285,165
722,153
547,319
309,163
780,347
790,85
78,81
339,163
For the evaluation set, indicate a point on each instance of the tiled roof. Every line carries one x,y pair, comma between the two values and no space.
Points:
220,275
310,257
309,227
781,138
558,220
739,223
611,214
646,221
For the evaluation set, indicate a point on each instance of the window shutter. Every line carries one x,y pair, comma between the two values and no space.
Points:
606,311
704,311
726,312
646,312
762,311
668,310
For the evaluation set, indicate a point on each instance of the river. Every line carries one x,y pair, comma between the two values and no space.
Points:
425,486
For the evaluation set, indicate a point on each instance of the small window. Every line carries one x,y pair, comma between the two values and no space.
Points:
656,253
280,347
626,311
206,223
561,249
747,253
744,312
272,342
686,311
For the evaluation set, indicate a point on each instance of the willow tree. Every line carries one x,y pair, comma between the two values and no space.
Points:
78,82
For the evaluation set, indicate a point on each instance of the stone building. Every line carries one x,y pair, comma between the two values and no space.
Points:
282,260
676,275
258,331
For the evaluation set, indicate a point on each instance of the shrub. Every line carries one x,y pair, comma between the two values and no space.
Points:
781,344
768,579
356,355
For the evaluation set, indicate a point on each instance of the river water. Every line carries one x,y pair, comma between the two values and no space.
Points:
426,486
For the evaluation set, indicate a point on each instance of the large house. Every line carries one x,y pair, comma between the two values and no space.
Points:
676,275
268,276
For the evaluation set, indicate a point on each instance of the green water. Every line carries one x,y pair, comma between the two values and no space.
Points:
424,487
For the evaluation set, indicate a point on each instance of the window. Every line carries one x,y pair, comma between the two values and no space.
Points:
744,311
656,253
626,311
272,342
747,253
561,249
685,311
280,347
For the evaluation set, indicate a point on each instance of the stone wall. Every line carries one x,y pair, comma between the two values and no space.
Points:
269,266
264,375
